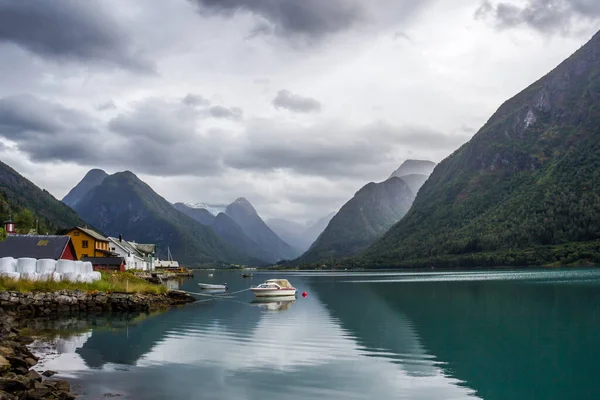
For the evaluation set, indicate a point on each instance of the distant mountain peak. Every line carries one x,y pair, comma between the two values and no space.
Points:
414,167
243,203
92,178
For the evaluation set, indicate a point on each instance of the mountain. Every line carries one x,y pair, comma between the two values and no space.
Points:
414,173
290,232
93,178
362,220
412,167
123,204
525,190
18,193
315,229
199,214
297,235
233,234
244,214
414,181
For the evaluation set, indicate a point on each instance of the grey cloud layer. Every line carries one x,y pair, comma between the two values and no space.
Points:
69,30
167,138
296,103
313,18
542,15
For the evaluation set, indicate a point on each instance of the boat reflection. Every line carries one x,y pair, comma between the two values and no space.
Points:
279,303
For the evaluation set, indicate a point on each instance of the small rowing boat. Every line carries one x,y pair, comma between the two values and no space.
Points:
211,286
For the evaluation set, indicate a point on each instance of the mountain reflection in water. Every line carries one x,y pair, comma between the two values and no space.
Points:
419,336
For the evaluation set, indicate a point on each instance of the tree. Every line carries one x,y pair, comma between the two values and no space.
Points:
3,234
25,221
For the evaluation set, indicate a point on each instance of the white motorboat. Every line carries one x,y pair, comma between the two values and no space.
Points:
211,286
274,287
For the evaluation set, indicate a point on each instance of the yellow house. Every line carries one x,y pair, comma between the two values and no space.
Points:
89,243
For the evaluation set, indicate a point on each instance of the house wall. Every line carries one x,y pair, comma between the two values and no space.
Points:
68,254
131,261
93,247
109,267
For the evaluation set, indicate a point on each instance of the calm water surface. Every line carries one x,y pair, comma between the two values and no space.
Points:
453,335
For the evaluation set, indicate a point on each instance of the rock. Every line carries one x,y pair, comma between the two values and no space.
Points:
33,376
61,385
36,394
4,364
30,361
16,362
7,351
49,373
7,396
12,382
21,370
25,340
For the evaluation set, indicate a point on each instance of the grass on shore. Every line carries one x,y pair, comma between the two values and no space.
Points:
110,282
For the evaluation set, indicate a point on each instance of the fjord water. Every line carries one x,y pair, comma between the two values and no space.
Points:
433,335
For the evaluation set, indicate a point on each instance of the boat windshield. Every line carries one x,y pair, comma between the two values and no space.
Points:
280,282
268,286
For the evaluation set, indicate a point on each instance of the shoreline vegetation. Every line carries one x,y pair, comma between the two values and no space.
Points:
121,282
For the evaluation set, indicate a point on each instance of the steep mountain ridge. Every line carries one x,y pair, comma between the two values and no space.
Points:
525,190
199,214
232,233
123,204
244,214
362,220
93,178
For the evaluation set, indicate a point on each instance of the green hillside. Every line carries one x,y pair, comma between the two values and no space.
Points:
362,220
27,202
524,191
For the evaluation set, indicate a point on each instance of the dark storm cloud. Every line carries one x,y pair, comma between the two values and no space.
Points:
45,130
157,137
542,15
69,30
312,18
296,103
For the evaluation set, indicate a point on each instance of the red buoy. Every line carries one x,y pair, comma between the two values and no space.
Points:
304,294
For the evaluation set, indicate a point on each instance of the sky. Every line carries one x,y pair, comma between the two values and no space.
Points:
294,105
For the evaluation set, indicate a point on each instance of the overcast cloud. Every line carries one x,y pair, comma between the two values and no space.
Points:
294,105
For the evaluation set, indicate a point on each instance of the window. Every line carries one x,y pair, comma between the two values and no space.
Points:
84,244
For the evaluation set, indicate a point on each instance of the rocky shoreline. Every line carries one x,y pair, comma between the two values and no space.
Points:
17,379
68,302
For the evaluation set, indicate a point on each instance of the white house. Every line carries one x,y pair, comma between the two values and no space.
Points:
133,258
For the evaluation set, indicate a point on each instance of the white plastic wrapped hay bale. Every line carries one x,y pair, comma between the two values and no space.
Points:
45,266
88,268
65,266
50,276
30,276
70,276
95,276
26,265
79,267
8,264
11,275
